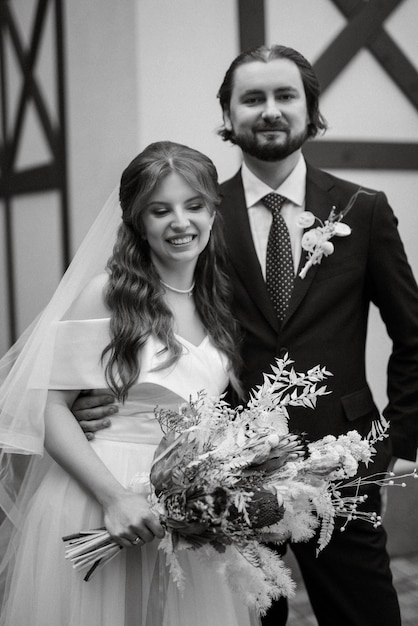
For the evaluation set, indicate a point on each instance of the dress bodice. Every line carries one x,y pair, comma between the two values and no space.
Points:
77,364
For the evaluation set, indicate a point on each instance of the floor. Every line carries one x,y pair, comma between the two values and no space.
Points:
405,575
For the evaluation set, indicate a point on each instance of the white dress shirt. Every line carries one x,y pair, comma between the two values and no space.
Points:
294,189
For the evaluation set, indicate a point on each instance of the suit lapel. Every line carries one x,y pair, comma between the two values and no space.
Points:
241,249
319,200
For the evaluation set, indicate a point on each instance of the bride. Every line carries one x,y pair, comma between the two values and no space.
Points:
154,328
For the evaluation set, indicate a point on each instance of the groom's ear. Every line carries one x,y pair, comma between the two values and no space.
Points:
227,120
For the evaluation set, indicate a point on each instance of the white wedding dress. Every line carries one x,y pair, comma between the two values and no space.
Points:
134,589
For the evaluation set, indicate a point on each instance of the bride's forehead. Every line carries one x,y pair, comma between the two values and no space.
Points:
172,187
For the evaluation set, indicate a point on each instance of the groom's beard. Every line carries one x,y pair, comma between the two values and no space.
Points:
251,144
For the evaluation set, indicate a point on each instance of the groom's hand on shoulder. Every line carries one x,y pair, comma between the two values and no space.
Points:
92,409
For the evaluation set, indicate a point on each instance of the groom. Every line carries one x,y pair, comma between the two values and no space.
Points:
269,99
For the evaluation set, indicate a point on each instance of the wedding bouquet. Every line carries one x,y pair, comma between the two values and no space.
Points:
237,479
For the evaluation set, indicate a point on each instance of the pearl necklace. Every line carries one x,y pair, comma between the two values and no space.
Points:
188,291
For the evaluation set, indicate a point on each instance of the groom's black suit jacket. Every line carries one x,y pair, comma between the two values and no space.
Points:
326,322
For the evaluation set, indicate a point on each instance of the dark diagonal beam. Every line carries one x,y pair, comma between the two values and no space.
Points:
403,73
361,28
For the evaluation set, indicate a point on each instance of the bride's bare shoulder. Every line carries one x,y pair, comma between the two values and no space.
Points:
90,303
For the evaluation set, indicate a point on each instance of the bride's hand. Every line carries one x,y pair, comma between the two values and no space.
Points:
130,521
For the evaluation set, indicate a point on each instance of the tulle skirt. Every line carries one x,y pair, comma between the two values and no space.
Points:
134,589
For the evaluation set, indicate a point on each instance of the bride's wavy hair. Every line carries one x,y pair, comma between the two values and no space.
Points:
134,293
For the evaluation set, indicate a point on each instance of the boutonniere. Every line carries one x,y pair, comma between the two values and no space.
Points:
316,241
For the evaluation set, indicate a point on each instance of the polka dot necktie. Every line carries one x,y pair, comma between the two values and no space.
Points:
279,261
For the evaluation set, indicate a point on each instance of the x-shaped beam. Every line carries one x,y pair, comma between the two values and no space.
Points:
27,61
365,29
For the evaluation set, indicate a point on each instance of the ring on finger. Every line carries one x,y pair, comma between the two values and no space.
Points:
137,541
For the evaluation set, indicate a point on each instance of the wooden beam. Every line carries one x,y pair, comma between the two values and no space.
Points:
251,24
355,36
62,133
393,60
376,155
30,87
42,178
45,177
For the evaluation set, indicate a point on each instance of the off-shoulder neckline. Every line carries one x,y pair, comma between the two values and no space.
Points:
107,320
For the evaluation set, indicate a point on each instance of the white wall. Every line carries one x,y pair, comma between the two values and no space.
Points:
103,111
184,48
